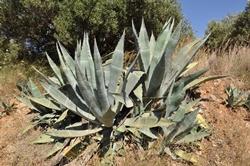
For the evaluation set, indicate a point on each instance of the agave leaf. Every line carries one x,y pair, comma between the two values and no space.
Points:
166,24
202,80
100,84
182,59
68,59
143,42
135,132
147,121
186,156
139,93
152,46
181,128
46,78
55,69
116,67
66,70
29,127
132,80
134,30
68,148
43,138
160,48
192,77
193,136
109,117
148,133
178,115
58,146
34,89
86,62
126,101
62,117
201,121
174,99
44,102
27,102
65,101
87,93
188,121
188,68
72,133
74,125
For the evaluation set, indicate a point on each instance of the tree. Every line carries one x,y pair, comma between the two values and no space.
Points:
230,31
38,24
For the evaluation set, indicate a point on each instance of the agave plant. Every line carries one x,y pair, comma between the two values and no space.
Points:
89,98
237,98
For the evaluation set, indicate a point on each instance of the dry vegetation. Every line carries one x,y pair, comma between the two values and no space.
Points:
235,63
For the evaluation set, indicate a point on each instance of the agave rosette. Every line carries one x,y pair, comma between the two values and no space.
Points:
88,97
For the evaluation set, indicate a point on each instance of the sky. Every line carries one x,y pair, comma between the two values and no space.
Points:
200,12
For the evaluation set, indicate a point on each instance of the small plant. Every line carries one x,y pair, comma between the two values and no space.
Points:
7,108
89,102
237,98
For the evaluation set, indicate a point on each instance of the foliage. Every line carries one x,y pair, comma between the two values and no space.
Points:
89,102
237,98
36,25
8,52
231,30
7,108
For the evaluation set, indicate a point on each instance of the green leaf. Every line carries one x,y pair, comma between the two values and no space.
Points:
62,117
143,42
55,69
43,138
158,60
202,80
148,133
116,67
139,92
147,121
34,89
100,84
192,137
72,133
132,80
44,102
88,93
66,101
58,146
68,59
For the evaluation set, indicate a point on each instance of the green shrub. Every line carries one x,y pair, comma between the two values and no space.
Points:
8,52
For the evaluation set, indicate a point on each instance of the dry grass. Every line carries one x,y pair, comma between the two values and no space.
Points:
235,63
11,74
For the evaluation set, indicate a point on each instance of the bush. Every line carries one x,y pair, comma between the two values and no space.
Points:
8,51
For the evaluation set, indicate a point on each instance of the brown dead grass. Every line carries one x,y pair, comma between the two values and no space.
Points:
235,63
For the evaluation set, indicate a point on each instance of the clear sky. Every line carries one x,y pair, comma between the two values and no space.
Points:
200,12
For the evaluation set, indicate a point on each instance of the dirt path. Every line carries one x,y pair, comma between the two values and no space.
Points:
229,144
